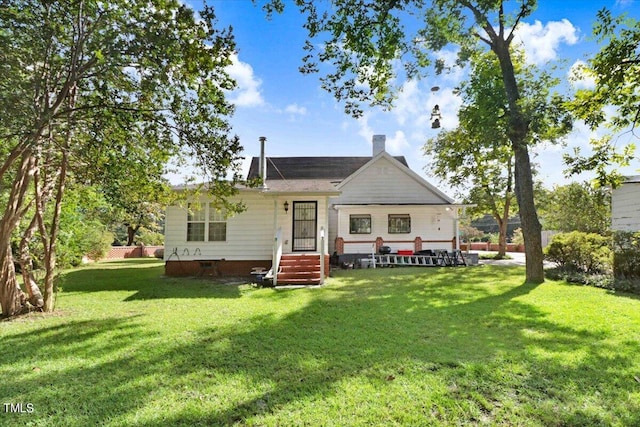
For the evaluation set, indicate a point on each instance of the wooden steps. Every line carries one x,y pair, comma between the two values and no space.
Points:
299,269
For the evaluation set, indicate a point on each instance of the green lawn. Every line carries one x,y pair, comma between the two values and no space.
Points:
467,346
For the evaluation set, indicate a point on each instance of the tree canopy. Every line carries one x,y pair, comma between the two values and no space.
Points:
616,72
96,91
577,207
366,45
477,156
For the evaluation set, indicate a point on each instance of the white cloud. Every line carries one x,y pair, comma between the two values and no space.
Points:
408,103
295,109
541,42
580,77
247,94
415,103
364,130
397,143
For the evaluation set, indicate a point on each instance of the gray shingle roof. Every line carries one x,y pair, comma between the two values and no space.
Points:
327,168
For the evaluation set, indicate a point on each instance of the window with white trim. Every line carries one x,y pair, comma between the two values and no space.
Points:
359,224
204,220
399,224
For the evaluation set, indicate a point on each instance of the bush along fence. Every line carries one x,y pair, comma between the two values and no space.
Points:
592,259
121,252
626,260
494,247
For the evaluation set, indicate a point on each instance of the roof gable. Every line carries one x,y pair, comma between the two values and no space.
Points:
326,168
368,173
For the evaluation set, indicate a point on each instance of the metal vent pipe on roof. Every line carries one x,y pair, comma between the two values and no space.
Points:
263,162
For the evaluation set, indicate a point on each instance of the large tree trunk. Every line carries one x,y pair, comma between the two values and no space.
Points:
531,228
26,265
12,299
518,132
49,237
502,236
131,234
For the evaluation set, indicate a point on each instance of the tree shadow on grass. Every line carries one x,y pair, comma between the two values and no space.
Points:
404,348
75,373
147,280
366,332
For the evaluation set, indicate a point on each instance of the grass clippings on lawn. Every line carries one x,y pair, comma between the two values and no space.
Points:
472,346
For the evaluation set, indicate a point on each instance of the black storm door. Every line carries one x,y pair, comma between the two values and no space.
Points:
305,218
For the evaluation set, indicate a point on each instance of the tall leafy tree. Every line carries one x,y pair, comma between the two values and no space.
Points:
77,79
477,156
616,71
591,212
363,41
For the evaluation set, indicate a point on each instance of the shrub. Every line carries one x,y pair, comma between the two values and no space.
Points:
89,238
580,252
97,243
470,234
150,238
626,255
518,238
490,238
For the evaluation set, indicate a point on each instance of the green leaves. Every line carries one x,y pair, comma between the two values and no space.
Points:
591,215
616,71
105,94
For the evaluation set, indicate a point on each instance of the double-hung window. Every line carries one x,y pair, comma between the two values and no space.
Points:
206,223
399,224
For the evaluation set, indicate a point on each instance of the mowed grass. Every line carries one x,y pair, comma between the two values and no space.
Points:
419,347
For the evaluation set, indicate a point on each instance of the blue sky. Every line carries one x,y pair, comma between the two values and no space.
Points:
300,119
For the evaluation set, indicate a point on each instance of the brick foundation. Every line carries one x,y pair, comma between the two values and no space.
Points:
213,268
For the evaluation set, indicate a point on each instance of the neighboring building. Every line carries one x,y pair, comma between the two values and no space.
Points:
625,205
488,224
313,206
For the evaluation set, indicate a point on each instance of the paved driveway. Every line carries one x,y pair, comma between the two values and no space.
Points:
517,258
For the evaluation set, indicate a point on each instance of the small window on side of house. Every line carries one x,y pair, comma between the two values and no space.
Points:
360,224
399,224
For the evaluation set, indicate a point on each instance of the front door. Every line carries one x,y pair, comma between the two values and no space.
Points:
305,218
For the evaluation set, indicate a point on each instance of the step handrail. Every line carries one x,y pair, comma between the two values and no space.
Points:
277,254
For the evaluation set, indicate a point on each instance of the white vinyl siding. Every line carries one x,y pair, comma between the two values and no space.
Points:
249,234
385,182
430,223
625,207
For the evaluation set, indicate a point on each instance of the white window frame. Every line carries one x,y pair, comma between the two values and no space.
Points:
204,216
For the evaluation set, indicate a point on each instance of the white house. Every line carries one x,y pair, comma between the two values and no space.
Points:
308,208
625,205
